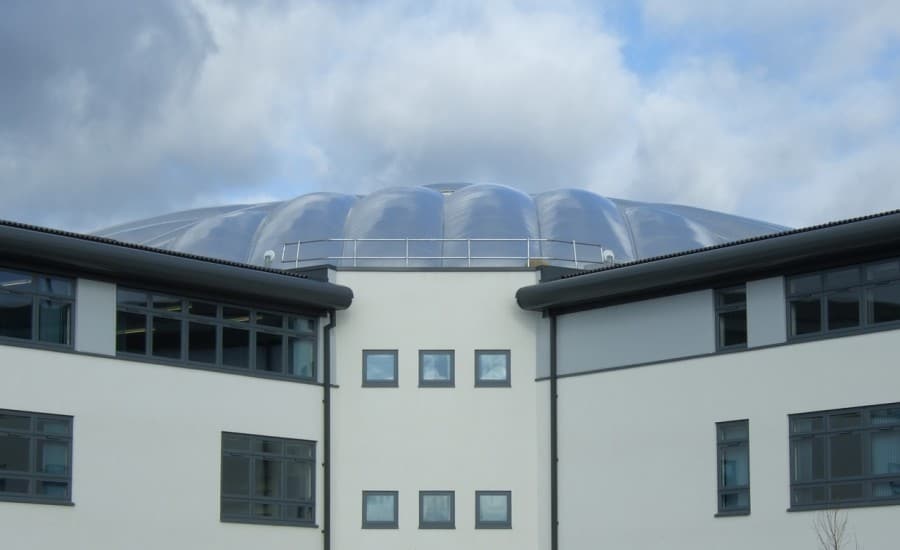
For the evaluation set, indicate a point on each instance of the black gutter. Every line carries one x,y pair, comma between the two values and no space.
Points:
326,428
757,257
107,259
554,447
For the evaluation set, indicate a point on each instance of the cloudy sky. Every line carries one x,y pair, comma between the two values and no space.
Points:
783,110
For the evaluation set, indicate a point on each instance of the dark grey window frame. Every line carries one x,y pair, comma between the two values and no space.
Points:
437,524
37,295
283,500
369,524
480,524
32,475
479,383
251,326
366,383
862,288
451,382
729,308
721,490
866,480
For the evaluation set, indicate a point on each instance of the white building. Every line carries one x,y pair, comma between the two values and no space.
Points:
716,397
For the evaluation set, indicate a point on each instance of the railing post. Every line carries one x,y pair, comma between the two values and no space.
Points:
468,252
407,252
354,252
527,252
575,254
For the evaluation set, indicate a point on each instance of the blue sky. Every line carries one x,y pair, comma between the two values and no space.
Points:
785,111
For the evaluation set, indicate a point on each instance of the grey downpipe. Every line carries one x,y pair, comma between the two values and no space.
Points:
326,437
554,449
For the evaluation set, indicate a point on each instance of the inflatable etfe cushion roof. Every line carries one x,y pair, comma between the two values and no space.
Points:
630,230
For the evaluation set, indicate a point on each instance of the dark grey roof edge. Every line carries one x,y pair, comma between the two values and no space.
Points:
109,258
767,253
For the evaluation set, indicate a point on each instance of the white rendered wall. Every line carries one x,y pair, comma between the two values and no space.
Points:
464,438
637,446
147,451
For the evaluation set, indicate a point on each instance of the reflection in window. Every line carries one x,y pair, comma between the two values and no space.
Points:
733,457
380,368
36,308
845,457
380,509
493,509
436,368
492,368
264,483
436,510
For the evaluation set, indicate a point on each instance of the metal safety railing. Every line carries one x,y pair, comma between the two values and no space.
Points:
416,252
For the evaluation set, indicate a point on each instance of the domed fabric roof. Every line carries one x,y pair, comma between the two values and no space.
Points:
444,224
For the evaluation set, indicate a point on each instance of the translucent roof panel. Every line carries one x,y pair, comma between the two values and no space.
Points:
441,225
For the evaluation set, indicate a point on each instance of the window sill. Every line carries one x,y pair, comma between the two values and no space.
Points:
843,505
262,521
736,513
34,500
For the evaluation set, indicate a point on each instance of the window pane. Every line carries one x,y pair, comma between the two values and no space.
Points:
846,455
884,303
882,417
729,502
235,508
125,297
52,457
268,352
263,510
733,328
235,347
436,508
843,309
842,278
201,342
235,475
806,316
167,303
493,366
13,485
235,442
883,271
808,459
203,308
54,319
53,489
55,427
437,366
264,445
848,491
268,478
298,513
735,467
807,425
733,432
886,489
732,296
845,420
269,319
302,324
493,508
236,315
886,452
301,357
300,450
166,337
381,367
299,480
809,495
806,284
15,422
14,453
131,332
15,280
15,315
380,508
54,285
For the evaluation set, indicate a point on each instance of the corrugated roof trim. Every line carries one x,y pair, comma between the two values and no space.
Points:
733,243
113,242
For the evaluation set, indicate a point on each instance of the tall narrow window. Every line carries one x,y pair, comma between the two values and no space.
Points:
731,317
733,459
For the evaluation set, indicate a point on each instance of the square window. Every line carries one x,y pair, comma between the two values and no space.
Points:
380,368
35,457
493,510
379,509
268,480
436,510
436,368
492,368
